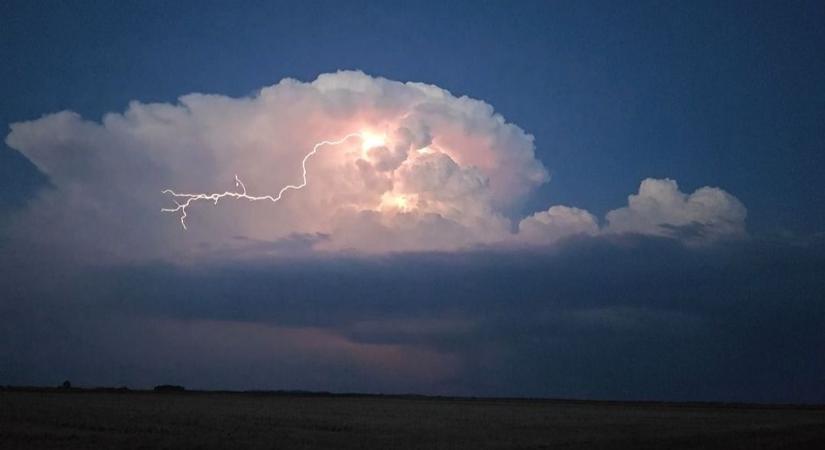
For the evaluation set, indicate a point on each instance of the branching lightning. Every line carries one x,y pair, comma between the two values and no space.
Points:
183,201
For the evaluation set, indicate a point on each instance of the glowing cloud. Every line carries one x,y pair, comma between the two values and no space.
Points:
381,166
214,197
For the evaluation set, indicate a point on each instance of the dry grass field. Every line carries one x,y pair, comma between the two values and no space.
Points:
134,419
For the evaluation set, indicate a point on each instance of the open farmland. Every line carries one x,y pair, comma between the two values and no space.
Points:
134,419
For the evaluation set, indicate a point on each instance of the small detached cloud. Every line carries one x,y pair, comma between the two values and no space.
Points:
661,209
556,223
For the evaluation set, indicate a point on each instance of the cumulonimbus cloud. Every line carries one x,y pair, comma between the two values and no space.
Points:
427,171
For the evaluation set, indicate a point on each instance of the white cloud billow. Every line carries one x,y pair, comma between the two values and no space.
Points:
661,209
444,175
556,223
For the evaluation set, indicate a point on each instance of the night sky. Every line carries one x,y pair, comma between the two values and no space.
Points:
607,200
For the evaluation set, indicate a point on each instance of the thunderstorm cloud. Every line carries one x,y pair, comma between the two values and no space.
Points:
428,171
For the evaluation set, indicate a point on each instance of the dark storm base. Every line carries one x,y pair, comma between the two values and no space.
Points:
45,419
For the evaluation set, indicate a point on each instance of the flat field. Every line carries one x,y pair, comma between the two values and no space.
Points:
136,419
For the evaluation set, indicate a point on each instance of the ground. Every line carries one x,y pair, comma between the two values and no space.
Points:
45,419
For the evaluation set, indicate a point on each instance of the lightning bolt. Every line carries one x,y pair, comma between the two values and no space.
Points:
183,201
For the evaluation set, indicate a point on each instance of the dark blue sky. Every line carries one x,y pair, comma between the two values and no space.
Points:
706,93
729,95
